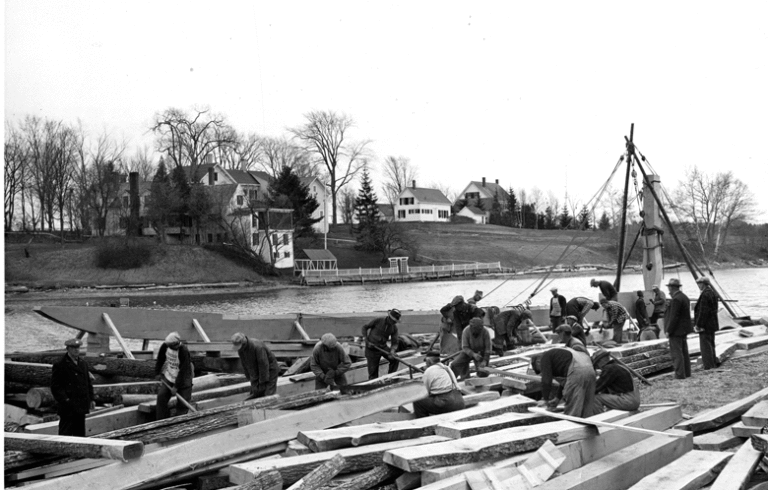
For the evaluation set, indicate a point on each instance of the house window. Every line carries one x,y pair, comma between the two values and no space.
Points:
126,202
252,195
215,176
218,237
286,239
274,239
210,237
197,239
401,213
226,236
472,195
287,254
239,200
254,239
254,221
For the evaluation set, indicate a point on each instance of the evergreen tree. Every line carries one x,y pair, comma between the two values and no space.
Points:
605,222
163,199
495,217
549,219
367,213
565,218
512,208
296,194
182,188
584,223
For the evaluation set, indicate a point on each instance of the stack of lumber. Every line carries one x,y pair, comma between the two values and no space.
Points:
646,358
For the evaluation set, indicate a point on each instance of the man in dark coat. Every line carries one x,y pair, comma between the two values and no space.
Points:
659,308
677,326
615,389
329,362
259,365
459,313
641,314
705,321
174,369
475,346
556,309
72,389
579,307
606,288
505,329
376,333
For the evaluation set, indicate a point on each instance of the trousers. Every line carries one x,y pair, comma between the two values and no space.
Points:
437,404
681,361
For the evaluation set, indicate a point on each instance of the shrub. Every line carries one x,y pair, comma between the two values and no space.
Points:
242,257
123,254
461,220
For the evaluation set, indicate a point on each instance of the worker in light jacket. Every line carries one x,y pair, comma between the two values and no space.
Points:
72,388
677,324
329,362
556,309
259,365
705,321
173,368
442,387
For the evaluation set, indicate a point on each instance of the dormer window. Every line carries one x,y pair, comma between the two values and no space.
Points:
239,200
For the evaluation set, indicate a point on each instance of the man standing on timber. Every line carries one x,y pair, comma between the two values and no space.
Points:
72,389
659,307
475,346
677,326
579,307
442,387
556,309
705,321
617,315
329,362
375,335
175,372
615,389
641,314
606,288
259,365
576,368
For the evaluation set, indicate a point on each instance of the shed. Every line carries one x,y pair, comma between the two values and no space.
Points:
317,259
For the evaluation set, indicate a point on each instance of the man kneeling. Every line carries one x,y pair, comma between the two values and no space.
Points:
615,388
440,382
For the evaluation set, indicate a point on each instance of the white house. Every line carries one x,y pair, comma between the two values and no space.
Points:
477,214
484,193
322,195
422,204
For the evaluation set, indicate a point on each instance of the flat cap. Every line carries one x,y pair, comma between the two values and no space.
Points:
476,322
456,300
601,354
238,338
73,343
173,338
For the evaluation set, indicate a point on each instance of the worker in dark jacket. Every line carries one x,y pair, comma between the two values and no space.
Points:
329,362
677,324
615,389
259,365
576,368
659,308
579,307
705,321
606,288
459,313
577,331
475,346
505,328
72,389
643,322
442,388
173,368
556,309
375,334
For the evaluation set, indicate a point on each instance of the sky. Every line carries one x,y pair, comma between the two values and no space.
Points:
534,94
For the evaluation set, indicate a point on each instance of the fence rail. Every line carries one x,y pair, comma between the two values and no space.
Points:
409,270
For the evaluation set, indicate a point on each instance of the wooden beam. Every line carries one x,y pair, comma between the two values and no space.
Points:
598,423
181,457
302,333
320,475
29,373
106,366
80,447
120,339
720,416
408,481
199,329
739,469
293,468
739,429
692,471
625,467
370,479
147,404
719,440
756,416
458,430
97,424
541,466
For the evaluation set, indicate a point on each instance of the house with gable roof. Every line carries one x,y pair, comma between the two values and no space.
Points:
478,215
479,197
322,195
422,204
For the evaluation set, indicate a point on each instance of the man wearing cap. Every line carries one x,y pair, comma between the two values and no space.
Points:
606,288
677,325
475,346
577,330
259,365
579,387
579,307
659,307
617,315
615,389
376,333
566,337
442,387
505,329
705,321
477,296
556,309
72,389
173,368
458,313
641,314
329,362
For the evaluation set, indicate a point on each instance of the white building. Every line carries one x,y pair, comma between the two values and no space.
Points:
478,215
422,205
322,195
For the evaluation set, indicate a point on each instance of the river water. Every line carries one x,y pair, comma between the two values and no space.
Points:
24,330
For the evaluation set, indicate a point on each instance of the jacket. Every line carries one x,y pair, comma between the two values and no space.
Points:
71,386
460,315
186,372
324,359
607,289
259,363
705,311
560,301
678,316
659,302
477,344
378,331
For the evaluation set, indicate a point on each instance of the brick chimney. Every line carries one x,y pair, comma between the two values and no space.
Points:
497,181
483,181
414,184
134,227
210,176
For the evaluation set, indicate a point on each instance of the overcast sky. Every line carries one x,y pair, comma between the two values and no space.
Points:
531,93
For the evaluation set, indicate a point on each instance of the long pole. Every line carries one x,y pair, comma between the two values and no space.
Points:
325,216
623,234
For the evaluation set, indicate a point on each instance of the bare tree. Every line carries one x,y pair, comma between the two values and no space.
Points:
15,161
347,204
141,161
700,198
325,133
102,176
398,174
279,152
243,153
447,190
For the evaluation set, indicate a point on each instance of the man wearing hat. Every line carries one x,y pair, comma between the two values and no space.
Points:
617,315
259,365
579,386
677,320
606,288
442,387
173,368
556,309
376,333
475,346
72,389
705,321
615,388
579,307
659,307
329,362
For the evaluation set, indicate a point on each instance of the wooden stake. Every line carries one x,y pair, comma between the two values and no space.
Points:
200,331
300,329
119,337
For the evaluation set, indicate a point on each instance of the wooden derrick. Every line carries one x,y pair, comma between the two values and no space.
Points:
320,475
28,373
739,469
79,447
691,471
720,416
293,468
